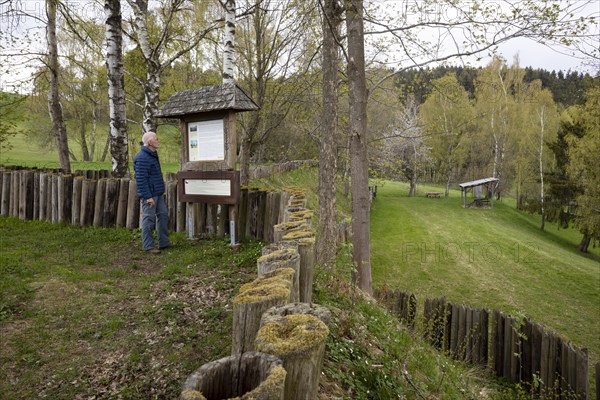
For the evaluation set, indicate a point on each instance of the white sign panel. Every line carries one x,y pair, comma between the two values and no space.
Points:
206,140
208,187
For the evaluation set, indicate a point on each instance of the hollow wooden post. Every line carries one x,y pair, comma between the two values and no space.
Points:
299,340
280,230
270,248
246,376
306,249
248,306
275,313
286,258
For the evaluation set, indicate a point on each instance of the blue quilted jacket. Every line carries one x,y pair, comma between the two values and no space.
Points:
148,176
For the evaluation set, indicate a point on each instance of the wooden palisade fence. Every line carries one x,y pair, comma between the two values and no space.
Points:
94,198
516,349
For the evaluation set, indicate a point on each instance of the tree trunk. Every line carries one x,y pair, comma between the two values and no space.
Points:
229,42
541,165
54,107
151,87
359,167
84,148
245,148
585,242
116,90
327,235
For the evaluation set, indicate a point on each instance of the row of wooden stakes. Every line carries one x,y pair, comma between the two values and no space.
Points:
93,198
513,348
279,335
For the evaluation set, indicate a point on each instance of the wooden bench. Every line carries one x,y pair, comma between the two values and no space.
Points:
433,194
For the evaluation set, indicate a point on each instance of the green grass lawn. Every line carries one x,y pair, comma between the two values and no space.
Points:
495,258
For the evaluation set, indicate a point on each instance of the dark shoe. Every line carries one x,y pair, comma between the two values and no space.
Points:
166,247
153,251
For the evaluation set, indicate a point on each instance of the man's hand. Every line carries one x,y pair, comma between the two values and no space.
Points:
150,202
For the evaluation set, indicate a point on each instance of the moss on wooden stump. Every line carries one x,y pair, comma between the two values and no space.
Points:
305,239
248,306
299,340
280,230
247,376
274,313
283,258
270,248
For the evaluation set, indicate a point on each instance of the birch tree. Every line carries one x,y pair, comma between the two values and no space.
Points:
229,42
54,106
119,148
162,35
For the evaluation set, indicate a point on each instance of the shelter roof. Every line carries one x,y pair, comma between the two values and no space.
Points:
477,182
227,96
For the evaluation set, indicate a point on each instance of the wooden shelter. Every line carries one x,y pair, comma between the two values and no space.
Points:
477,188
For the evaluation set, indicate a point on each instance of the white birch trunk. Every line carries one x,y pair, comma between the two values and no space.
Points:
541,164
54,107
229,43
119,148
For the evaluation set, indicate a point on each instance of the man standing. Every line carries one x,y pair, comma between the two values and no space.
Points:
151,189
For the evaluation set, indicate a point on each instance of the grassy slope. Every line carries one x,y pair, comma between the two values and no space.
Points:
496,258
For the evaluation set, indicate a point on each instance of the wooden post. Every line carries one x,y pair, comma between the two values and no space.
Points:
242,376
42,214
286,258
76,200
6,186
133,207
121,221
299,340
88,201
181,216
526,373
111,203
36,196
280,230
275,313
306,248
242,215
99,203
26,195
248,306
582,380
54,202
597,367
15,193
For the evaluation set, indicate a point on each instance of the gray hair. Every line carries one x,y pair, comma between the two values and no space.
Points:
147,137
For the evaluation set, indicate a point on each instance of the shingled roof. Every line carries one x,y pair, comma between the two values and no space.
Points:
227,96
